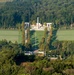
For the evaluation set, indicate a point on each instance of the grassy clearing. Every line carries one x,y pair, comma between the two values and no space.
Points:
9,35
65,35
36,37
15,35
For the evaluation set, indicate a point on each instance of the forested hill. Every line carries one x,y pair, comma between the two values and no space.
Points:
60,12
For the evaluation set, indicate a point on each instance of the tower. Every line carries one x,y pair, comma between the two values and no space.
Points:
38,22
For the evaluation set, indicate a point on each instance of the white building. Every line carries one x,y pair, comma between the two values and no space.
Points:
29,53
49,25
27,25
38,25
41,27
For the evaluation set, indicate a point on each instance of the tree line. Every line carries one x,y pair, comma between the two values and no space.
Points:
58,12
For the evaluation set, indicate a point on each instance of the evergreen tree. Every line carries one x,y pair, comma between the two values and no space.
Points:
48,42
45,32
51,30
42,44
28,44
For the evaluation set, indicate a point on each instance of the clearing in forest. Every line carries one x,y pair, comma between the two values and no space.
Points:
65,35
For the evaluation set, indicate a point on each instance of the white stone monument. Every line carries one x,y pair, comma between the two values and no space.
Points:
27,25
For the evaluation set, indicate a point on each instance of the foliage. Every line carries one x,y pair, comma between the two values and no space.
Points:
60,12
23,33
7,58
14,62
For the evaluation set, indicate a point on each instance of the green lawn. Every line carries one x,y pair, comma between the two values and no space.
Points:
65,34
15,35
36,37
9,35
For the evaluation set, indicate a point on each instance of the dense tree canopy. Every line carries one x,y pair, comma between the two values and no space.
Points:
60,12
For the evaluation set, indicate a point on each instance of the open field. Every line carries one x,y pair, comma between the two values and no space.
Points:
65,34
36,37
9,35
15,35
